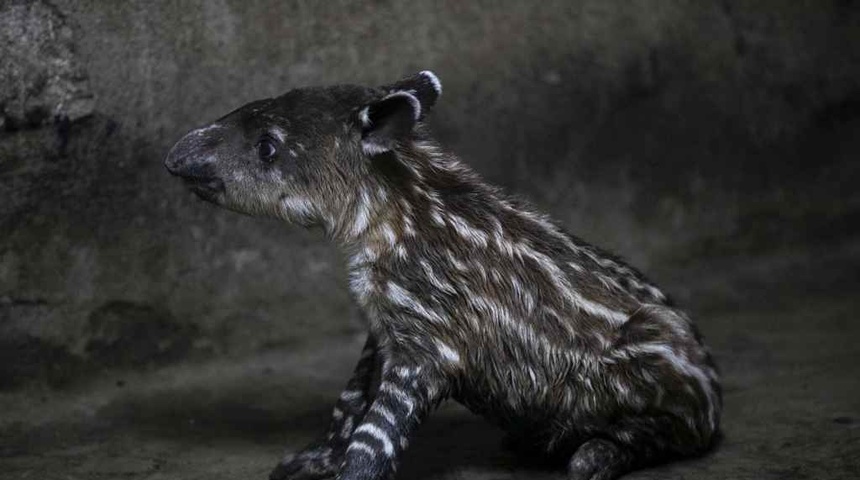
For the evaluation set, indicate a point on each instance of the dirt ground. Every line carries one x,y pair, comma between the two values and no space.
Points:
787,348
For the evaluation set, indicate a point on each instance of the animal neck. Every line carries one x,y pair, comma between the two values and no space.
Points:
407,188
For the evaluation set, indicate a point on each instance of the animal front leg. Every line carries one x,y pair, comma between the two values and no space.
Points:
322,459
403,400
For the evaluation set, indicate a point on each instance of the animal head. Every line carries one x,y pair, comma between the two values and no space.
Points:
307,155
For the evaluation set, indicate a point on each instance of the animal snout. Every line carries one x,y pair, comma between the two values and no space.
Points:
188,165
191,156
193,159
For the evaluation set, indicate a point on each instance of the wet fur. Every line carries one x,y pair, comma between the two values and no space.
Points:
468,293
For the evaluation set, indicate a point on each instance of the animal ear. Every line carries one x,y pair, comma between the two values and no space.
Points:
425,86
386,121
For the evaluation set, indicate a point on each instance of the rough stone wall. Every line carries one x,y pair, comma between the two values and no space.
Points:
674,132
42,78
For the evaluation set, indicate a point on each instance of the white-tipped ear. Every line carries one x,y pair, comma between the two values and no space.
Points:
414,103
433,80
424,86
387,121
364,113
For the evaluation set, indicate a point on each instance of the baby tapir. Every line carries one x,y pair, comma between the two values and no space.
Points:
467,293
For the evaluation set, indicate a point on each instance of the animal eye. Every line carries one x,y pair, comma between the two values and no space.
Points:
266,149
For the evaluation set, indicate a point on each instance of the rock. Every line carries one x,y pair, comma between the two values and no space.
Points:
41,78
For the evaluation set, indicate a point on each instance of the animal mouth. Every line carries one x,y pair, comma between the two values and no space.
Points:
207,188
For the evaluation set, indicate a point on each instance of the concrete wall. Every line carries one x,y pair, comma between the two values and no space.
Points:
681,134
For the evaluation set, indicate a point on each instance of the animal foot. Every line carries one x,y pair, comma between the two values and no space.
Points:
599,459
310,464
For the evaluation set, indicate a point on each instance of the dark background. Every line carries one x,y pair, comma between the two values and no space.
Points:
714,144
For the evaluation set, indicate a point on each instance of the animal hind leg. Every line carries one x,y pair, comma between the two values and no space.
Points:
634,442
600,459
322,459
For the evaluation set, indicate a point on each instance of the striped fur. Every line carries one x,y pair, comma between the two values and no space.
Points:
468,293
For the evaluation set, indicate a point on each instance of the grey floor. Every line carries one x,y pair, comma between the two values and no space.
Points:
788,350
